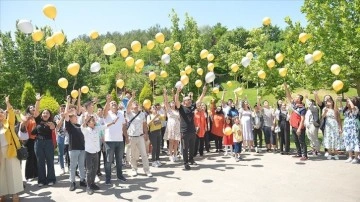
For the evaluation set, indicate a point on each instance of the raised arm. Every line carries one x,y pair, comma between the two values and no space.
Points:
259,102
166,102
68,99
222,99
236,100
79,101
288,94
177,102
107,105
200,99
128,108
317,99
37,105
10,110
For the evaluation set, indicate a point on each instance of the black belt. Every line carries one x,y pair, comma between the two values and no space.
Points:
136,136
42,138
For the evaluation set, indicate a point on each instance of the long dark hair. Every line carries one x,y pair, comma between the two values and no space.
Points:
355,103
51,115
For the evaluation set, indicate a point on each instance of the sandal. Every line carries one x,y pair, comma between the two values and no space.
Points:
15,198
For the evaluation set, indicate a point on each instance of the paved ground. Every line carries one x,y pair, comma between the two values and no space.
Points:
259,177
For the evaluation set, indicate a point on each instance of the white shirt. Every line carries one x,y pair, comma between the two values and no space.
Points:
114,133
3,141
226,110
92,138
136,126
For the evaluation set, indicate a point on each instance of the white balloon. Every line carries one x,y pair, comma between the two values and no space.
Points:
25,26
245,61
165,59
210,77
309,59
95,67
179,84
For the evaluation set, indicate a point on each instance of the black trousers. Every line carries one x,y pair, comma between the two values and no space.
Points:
300,142
258,133
284,136
91,167
31,170
104,157
199,145
207,140
67,157
188,145
218,142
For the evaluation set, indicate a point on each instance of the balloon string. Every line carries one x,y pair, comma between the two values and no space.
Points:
74,82
55,24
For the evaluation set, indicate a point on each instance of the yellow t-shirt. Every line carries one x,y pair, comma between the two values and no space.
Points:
156,124
237,133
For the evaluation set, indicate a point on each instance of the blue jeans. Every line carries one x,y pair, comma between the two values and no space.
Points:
267,134
77,157
44,151
61,145
117,149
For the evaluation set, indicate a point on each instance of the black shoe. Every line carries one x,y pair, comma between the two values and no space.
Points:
83,183
89,191
192,162
221,150
122,178
99,174
77,174
187,167
94,187
72,186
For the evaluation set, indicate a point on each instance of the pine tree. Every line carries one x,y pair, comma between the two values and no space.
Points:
28,95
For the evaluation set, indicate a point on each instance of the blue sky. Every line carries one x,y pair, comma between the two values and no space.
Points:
79,17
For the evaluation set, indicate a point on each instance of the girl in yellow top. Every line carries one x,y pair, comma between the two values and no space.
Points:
10,170
154,123
238,137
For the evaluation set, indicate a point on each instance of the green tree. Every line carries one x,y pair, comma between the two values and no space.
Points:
49,102
114,95
146,93
335,29
28,95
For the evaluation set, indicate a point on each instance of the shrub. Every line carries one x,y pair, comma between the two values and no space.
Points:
114,95
146,93
49,102
28,95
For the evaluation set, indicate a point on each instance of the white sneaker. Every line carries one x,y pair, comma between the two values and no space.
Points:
326,154
336,157
62,171
256,150
154,164
349,160
50,183
329,157
149,174
158,163
354,161
40,184
175,158
134,173
226,153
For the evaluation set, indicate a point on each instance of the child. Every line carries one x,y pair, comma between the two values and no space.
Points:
228,139
238,138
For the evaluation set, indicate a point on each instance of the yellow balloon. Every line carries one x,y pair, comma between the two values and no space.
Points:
147,104
136,46
210,57
211,67
215,90
204,53
200,71
137,69
229,83
94,34
262,74
120,83
167,50
73,69
279,57
266,21
184,80
139,63
317,55
163,74
270,63
84,89
50,42
239,91
37,35
188,69
160,37
59,38
182,73
338,85
63,83
152,76
150,44
74,93
198,83
234,67
249,55
129,61
303,37
283,72
49,11
124,52
335,69
228,131
109,49
177,46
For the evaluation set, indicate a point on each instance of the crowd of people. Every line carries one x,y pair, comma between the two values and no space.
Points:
122,132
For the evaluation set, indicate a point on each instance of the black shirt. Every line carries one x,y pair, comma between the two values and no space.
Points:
76,137
42,130
187,125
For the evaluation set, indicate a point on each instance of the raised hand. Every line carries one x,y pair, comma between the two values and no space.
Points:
38,97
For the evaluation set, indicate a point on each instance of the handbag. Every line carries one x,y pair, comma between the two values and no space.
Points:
22,152
322,123
277,129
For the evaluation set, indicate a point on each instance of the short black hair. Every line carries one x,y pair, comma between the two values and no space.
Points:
63,105
99,106
301,97
88,103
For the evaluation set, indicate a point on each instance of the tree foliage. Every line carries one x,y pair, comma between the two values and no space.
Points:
28,96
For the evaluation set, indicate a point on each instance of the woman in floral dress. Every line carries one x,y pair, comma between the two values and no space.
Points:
245,115
172,132
351,130
332,139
